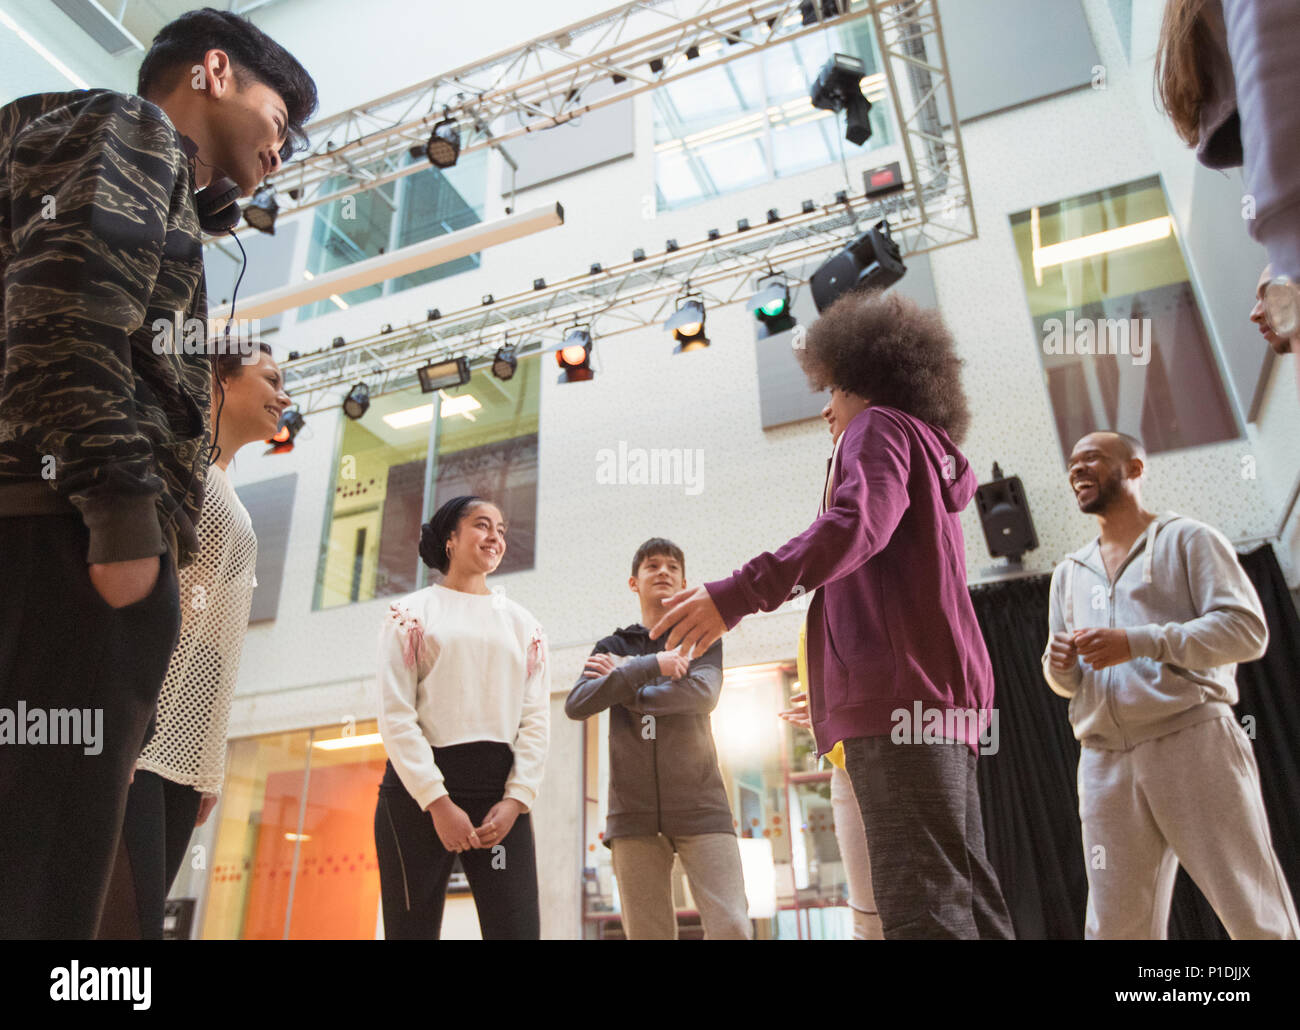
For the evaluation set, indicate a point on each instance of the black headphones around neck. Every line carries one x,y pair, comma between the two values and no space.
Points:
218,205
218,201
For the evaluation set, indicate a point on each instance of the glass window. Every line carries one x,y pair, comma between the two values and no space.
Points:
295,846
485,442
751,120
779,793
417,207
1118,327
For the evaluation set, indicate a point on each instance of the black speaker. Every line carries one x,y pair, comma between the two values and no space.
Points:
1004,513
871,262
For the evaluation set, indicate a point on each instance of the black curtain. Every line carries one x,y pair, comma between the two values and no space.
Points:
1028,789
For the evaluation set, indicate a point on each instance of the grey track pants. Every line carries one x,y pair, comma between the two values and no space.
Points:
1192,797
921,812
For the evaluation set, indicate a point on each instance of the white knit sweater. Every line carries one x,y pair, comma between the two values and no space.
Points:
216,593
454,668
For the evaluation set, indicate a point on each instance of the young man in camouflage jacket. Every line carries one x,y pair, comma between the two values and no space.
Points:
104,428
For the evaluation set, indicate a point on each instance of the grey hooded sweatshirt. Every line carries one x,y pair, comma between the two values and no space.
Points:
663,767
1191,615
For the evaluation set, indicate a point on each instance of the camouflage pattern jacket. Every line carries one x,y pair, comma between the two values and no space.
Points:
99,246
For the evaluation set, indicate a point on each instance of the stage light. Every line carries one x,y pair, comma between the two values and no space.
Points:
618,80
357,402
841,196
773,215
742,224
872,262
771,306
444,375
574,357
433,315
670,245
291,423
443,147
638,254
338,341
505,363
808,10
808,207
387,327
487,299
294,355
714,234
539,284
687,325
657,65
260,212
596,268
692,52
839,88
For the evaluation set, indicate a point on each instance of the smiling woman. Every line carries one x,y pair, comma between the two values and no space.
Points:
180,772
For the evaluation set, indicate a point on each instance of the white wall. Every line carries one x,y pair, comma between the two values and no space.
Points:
308,668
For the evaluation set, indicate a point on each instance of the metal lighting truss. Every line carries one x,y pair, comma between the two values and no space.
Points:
549,81
934,210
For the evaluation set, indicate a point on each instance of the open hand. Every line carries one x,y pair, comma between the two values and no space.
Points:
691,620
797,713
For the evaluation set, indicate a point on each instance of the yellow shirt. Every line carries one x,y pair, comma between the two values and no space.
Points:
835,754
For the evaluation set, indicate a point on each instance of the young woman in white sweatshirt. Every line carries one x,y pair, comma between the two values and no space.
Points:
179,774
464,695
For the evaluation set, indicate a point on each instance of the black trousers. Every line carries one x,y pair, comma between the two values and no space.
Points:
63,647
414,867
921,812
156,834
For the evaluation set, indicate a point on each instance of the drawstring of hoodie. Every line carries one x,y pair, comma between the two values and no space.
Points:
1151,550
1148,561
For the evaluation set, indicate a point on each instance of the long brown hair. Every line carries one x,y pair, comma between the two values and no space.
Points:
1180,80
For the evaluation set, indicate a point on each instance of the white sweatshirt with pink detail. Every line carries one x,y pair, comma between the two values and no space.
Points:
456,668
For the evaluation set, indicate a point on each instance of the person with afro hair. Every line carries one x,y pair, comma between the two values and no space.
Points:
897,669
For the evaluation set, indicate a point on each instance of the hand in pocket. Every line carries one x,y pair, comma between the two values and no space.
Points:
121,583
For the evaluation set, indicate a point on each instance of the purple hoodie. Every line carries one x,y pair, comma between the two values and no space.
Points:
891,623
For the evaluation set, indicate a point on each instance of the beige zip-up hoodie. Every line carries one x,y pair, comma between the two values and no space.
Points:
1191,615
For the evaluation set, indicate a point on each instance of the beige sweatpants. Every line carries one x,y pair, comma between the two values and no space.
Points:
1193,797
711,861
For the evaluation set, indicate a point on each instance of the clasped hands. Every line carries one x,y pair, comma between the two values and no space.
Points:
1098,646
458,833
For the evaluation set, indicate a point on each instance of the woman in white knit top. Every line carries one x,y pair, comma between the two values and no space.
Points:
464,696
179,774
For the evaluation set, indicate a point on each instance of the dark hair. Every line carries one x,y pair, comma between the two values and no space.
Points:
435,533
658,545
886,348
181,44
229,366
1132,445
